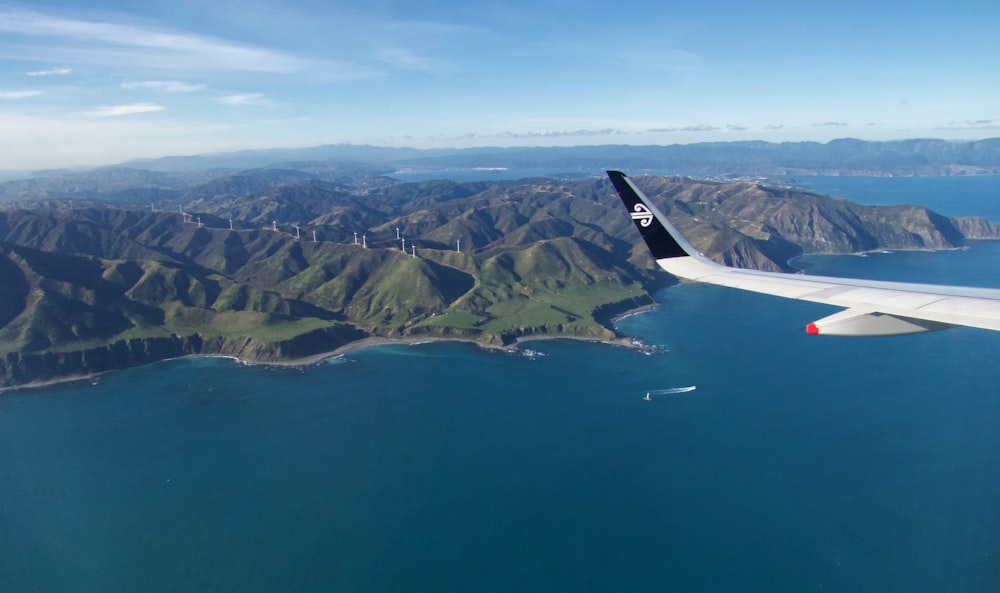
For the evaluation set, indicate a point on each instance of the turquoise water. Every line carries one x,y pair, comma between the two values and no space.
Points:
798,464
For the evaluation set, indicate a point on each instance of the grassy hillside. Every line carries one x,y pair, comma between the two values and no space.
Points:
91,288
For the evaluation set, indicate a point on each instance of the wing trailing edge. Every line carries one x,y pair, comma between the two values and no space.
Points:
873,308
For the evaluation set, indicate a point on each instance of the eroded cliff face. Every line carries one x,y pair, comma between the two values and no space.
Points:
975,228
20,368
17,368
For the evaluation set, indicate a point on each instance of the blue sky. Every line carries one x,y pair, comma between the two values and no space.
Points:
102,82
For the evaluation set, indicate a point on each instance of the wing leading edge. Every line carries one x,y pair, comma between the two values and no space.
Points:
873,308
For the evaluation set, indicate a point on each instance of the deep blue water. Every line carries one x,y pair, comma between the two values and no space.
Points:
973,195
473,174
800,463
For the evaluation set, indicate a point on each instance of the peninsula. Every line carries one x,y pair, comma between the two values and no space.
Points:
282,264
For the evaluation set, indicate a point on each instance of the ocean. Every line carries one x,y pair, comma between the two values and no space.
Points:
797,464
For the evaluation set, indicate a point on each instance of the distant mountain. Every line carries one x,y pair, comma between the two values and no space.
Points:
708,159
173,182
169,190
370,156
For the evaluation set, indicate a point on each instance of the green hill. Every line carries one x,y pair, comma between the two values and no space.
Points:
95,288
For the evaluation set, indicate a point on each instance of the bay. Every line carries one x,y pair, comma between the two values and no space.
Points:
799,463
968,195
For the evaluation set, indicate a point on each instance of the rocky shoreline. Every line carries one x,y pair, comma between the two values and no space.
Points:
48,369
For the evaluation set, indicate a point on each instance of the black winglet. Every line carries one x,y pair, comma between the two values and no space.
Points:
660,236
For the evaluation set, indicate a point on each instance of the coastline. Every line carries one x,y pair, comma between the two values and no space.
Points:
790,262
375,341
357,345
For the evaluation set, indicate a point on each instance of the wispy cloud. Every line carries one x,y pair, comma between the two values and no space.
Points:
49,72
19,94
736,128
695,128
257,99
831,124
774,126
151,47
165,86
559,133
413,44
977,124
405,59
129,109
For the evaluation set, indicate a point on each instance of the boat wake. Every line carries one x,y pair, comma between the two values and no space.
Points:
669,391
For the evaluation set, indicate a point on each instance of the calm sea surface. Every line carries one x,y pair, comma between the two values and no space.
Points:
798,463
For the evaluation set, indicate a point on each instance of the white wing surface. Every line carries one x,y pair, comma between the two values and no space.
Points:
872,308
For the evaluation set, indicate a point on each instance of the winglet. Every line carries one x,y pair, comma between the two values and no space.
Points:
663,240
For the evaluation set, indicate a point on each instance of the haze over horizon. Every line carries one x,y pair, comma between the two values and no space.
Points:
113,81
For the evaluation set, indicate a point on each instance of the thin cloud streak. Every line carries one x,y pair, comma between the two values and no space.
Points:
50,72
558,133
979,124
257,99
12,95
695,128
166,86
405,59
129,109
129,44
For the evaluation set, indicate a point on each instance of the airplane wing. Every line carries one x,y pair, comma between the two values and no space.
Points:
872,308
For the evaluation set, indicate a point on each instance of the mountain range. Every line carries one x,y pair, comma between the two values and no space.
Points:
748,159
125,265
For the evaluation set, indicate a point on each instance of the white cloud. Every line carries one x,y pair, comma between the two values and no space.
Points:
127,44
166,86
695,128
979,124
129,109
558,133
19,94
246,99
49,72
405,59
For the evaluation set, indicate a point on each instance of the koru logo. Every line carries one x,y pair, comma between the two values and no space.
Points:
642,215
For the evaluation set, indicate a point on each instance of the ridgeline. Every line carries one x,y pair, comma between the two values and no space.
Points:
263,264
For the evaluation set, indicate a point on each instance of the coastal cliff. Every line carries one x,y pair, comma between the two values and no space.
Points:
19,368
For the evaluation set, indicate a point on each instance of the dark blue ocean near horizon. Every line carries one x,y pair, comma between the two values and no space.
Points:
797,464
